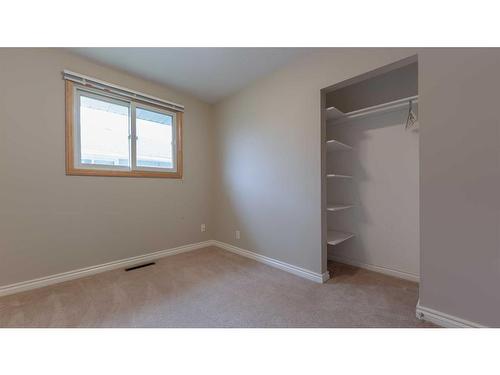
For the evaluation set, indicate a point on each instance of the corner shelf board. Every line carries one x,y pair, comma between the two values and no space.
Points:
338,207
333,113
333,175
333,145
335,237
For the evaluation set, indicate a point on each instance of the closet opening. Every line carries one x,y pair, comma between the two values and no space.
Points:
370,172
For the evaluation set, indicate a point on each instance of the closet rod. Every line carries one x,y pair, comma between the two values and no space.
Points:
377,108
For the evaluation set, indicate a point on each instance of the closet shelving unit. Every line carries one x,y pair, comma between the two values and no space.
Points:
335,237
335,116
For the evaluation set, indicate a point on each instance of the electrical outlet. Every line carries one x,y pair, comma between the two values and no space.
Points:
203,228
237,235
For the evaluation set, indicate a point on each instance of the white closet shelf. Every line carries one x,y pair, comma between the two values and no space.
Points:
363,112
333,113
333,175
335,237
334,145
338,207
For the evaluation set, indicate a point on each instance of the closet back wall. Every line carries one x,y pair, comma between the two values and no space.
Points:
52,223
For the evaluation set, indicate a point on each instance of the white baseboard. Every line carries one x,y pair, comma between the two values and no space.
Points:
379,269
444,320
302,272
82,272
123,263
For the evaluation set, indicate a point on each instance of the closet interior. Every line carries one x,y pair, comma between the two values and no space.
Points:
371,171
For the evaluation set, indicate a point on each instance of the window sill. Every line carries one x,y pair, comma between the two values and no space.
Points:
110,173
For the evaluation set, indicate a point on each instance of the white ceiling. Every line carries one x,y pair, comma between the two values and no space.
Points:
210,74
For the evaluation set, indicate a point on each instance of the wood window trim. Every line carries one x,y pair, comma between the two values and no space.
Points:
70,162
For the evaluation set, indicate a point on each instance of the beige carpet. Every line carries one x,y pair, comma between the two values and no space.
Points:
215,288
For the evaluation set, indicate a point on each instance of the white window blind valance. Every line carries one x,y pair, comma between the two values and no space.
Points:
119,90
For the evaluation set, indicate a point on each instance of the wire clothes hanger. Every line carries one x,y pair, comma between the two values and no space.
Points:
412,117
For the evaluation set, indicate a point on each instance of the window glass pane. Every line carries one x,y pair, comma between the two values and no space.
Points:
154,139
104,132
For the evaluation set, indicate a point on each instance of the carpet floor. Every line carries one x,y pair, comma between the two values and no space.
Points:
214,288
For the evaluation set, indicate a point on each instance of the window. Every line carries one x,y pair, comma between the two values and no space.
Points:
113,135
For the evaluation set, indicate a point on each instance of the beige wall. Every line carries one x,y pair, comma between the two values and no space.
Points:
268,160
51,223
460,183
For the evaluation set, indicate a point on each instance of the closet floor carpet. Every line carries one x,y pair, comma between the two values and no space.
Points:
214,288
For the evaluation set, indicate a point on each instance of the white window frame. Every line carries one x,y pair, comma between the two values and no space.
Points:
134,136
78,91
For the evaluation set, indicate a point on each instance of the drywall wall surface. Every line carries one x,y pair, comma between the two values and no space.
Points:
384,192
52,223
460,182
383,88
269,160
